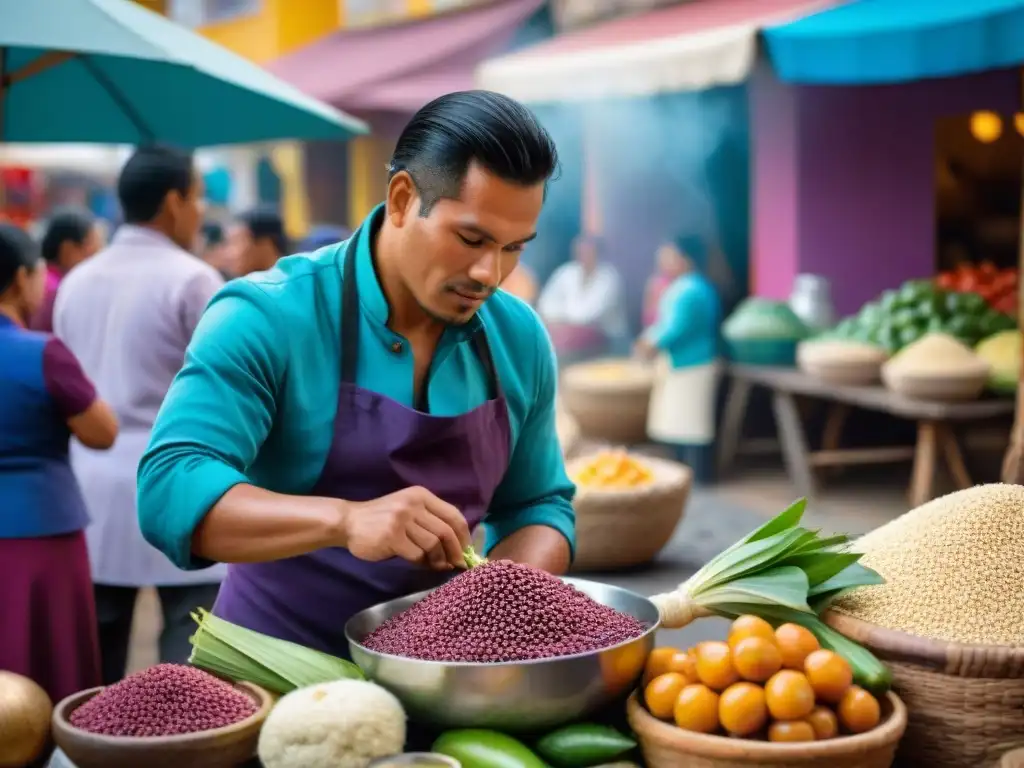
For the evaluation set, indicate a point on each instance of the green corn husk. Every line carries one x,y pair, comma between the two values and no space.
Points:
781,572
242,655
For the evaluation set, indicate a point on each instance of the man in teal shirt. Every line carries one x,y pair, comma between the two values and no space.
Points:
343,420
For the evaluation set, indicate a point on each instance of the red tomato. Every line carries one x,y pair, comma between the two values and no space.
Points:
946,280
967,283
987,269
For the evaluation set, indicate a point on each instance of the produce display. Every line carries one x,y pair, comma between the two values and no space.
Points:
952,569
1003,354
786,574
936,354
900,317
998,287
344,724
614,371
613,469
581,745
164,700
763,683
25,711
502,611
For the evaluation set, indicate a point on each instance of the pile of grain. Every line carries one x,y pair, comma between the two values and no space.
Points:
935,354
502,611
954,569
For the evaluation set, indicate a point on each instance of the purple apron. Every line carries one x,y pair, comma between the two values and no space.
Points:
380,446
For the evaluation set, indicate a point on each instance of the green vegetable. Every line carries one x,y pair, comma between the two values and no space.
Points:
583,745
472,558
477,748
242,655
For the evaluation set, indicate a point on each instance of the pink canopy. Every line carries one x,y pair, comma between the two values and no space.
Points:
399,68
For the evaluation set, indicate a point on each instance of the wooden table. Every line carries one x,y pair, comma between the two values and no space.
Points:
935,427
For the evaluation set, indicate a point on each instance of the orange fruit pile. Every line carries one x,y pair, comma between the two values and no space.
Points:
763,683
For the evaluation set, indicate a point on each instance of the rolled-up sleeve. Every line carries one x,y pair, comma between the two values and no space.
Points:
216,415
536,489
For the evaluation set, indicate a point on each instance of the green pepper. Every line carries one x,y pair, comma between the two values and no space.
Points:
583,745
911,293
889,300
909,335
477,748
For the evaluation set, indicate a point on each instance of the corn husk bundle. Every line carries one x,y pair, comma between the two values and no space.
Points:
781,572
242,655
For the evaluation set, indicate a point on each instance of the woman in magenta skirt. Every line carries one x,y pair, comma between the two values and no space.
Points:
47,613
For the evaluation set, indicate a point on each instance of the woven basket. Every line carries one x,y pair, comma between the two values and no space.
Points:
665,746
607,407
619,528
966,702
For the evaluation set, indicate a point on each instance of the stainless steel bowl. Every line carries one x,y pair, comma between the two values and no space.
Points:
515,696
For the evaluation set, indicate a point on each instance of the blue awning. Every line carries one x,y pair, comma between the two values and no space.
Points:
891,41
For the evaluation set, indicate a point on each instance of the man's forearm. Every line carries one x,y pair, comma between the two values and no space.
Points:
251,525
536,545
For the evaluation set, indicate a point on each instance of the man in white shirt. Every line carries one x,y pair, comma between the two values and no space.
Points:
582,305
128,315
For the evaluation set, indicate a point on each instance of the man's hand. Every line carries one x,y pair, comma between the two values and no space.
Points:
412,524
643,349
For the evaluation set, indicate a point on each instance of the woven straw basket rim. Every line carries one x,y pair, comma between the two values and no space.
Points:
668,475
650,729
640,378
959,659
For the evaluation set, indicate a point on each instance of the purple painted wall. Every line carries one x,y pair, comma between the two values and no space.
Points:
844,179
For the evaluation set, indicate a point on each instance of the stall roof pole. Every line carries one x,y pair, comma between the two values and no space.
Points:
1013,465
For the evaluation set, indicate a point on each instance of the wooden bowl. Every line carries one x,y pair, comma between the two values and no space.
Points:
861,367
665,746
945,388
609,399
225,747
624,527
966,702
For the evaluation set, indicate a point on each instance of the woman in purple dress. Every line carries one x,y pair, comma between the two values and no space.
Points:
46,603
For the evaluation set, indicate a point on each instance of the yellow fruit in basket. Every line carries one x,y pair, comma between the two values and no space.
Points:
714,665
613,469
661,693
858,710
742,710
756,659
824,722
795,643
793,730
829,674
750,626
696,709
789,695
662,660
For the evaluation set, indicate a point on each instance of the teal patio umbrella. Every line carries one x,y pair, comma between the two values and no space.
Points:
113,72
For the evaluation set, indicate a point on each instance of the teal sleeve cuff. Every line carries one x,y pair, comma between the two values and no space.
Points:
177,489
554,513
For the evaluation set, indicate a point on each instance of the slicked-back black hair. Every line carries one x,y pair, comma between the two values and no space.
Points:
444,137
17,250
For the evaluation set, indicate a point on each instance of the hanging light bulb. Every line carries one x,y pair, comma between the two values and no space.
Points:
986,127
1018,123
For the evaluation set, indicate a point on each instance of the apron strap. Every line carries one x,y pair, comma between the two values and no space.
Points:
350,333
349,313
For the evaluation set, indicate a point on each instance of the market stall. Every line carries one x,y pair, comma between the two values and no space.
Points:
854,658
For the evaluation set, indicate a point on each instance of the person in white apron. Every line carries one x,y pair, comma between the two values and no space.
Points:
684,341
